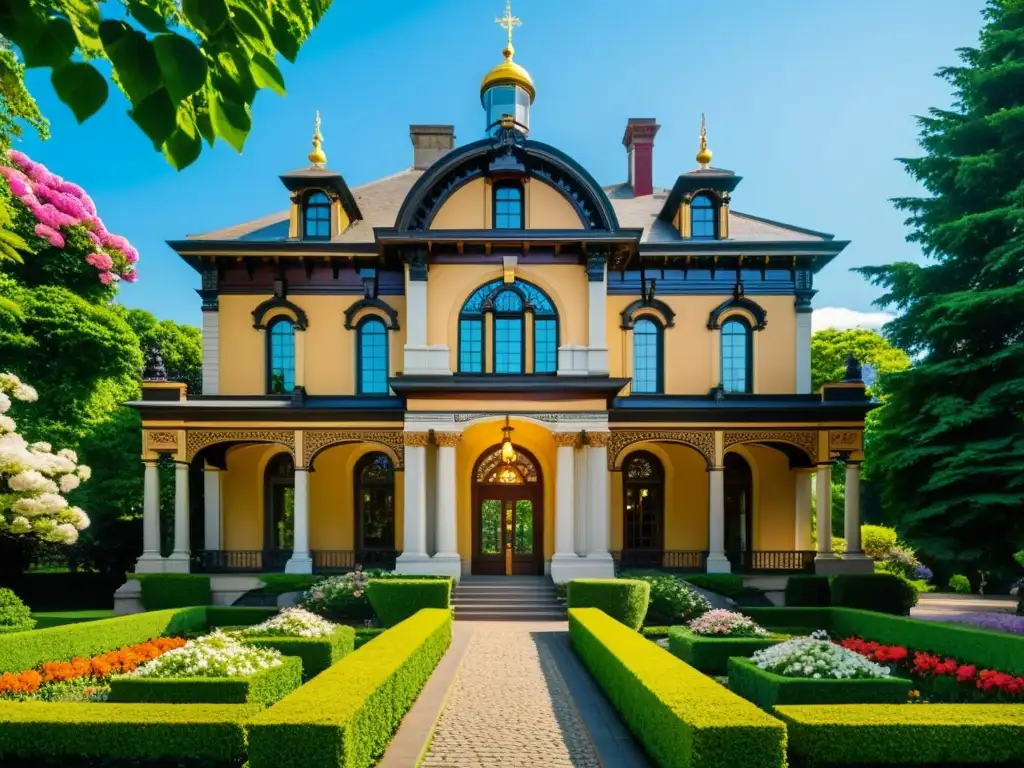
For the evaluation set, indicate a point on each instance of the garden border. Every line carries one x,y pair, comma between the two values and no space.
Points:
711,654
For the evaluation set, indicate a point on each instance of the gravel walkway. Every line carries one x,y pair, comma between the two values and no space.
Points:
510,706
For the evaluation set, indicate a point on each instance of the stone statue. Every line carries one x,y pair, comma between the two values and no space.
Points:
852,369
154,369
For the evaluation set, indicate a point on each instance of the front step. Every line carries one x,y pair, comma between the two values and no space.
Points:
498,598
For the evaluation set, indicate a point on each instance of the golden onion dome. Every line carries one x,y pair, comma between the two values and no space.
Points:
317,157
508,73
703,153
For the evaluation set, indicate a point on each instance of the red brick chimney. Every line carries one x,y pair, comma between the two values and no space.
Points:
639,143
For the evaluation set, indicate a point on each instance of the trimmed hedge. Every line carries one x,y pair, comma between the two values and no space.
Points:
213,734
808,619
808,591
681,717
625,600
767,690
711,654
728,584
27,650
906,734
882,592
281,583
366,634
317,653
395,600
347,715
173,590
262,689
237,616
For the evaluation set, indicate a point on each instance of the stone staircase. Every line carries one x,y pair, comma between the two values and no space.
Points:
507,598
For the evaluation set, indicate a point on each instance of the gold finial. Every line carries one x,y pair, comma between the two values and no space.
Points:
317,156
508,22
704,154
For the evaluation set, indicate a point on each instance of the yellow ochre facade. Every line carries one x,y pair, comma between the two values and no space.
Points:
489,363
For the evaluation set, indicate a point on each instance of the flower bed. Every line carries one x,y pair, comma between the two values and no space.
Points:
711,654
291,622
297,632
723,623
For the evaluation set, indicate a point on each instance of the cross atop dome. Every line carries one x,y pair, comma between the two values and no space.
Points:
508,88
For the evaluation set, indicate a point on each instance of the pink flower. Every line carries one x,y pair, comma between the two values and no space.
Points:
20,158
106,278
56,238
130,276
100,260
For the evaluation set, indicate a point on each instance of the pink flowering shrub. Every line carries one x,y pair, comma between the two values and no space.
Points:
723,623
60,208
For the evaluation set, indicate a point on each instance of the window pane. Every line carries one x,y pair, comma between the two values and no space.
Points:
522,542
282,358
471,352
644,509
508,301
735,357
490,527
508,207
376,495
545,346
508,345
373,358
645,357
702,217
317,217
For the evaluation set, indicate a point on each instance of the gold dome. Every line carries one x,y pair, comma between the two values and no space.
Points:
317,157
703,154
508,73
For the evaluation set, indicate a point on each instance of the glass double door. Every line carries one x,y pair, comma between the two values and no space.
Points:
508,531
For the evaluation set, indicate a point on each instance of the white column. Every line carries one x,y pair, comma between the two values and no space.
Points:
416,313
150,561
179,560
803,353
211,352
823,502
300,561
598,502
717,561
565,558
851,512
211,508
447,560
597,340
581,508
802,481
414,547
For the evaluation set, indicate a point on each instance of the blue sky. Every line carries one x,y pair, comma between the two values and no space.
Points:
809,101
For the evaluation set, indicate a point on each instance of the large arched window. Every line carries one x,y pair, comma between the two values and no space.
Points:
280,356
737,357
316,217
375,502
643,494
279,506
646,357
372,361
508,205
512,305
702,217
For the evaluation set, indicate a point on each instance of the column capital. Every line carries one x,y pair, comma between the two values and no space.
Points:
416,439
446,439
566,439
599,439
151,462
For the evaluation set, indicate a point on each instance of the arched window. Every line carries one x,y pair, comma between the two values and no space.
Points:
375,502
280,356
736,355
512,306
643,494
316,217
702,217
279,506
646,357
372,363
508,205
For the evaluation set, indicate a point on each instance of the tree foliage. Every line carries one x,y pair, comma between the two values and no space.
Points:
830,347
949,445
190,69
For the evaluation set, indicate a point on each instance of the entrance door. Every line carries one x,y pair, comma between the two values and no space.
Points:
507,520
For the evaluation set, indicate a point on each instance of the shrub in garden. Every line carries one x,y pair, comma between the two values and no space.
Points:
728,584
672,600
625,600
173,590
395,600
291,622
960,584
15,616
883,592
723,623
818,658
901,561
340,598
808,591
214,655
877,540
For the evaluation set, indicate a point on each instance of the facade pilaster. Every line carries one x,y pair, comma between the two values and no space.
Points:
150,561
211,508
598,503
446,560
301,561
414,550
851,512
717,560
180,558
564,557
823,511
802,516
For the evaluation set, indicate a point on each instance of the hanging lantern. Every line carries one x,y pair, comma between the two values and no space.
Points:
508,452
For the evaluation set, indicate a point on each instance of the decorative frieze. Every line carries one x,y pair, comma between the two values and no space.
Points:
804,439
160,441
316,440
598,439
447,439
702,441
197,439
845,440
416,439
566,439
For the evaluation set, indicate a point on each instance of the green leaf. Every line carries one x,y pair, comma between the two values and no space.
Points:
184,145
232,76
231,120
84,16
44,42
181,64
246,23
285,36
133,59
203,122
81,87
208,17
148,17
156,116
266,74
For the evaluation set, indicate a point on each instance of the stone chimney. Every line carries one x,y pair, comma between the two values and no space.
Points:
430,143
639,143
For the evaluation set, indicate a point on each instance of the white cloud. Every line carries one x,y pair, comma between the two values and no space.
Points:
842,319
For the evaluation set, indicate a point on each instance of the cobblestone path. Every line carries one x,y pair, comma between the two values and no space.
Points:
510,706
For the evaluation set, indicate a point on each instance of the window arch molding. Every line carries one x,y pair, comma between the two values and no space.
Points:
316,215
655,309
740,306
371,307
373,360
278,306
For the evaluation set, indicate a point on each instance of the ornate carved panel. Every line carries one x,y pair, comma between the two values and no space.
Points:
702,441
416,439
846,440
598,439
197,439
563,439
161,441
316,440
447,439
805,439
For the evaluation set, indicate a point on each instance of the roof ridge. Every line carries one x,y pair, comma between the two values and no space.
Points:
385,178
784,225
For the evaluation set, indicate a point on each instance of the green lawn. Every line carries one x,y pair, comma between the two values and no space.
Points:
46,619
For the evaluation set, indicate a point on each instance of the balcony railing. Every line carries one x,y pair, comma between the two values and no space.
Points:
748,562
771,561
343,561
273,561
661,559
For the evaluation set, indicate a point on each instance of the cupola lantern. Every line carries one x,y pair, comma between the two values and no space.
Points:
508,88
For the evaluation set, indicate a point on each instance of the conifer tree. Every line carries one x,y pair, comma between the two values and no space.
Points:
950,445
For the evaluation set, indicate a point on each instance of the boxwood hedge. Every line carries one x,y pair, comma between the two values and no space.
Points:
173,590
711,654
346,715
625,600
808,590
395,600
681,717
317,653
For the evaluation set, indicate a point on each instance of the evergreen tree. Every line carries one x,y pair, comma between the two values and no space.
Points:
950,441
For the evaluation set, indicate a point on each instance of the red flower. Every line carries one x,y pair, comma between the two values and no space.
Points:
965,674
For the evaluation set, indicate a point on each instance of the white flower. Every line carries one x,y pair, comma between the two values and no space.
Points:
816,657
84,472
25,393
723,623
7,424
20,525
5,403
40,447
31,481
68,483
67,533
292,622
80,519
214,655
68,454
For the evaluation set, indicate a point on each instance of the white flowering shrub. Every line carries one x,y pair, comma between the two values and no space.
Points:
214,655
291,622
34,479
340,598
723,623
818,658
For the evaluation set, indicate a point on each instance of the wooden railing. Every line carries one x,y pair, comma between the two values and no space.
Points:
771,561
342,561
661,559
748,562
273,561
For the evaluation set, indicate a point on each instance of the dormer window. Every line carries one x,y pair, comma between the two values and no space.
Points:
508,205
316,217
702,217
